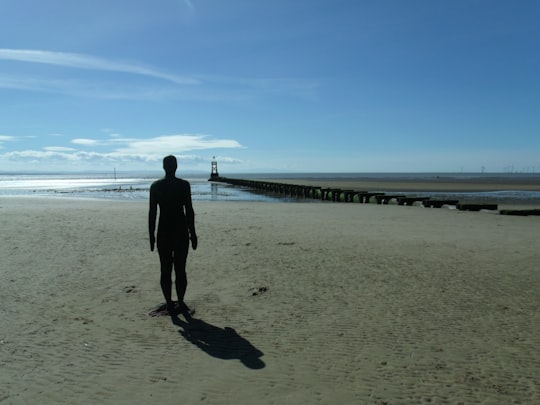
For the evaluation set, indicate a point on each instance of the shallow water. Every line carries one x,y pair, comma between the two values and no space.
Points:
130,188
135,186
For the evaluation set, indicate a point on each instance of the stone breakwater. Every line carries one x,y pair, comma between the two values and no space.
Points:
339,195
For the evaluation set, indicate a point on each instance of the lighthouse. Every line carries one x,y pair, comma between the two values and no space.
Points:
214,173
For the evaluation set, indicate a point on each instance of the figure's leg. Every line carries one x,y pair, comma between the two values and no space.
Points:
166,260
180,258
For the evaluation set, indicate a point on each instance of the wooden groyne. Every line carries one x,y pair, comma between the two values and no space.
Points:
338,195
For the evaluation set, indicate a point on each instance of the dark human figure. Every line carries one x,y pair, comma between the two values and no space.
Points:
175,229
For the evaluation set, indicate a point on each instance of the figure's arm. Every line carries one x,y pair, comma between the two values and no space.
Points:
152,213
190,217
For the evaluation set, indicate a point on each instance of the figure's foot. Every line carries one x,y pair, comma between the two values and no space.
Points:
171,308
184,309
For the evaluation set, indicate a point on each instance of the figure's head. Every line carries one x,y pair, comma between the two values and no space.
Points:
170,165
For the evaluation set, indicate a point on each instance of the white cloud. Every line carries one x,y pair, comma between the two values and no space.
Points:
81,61
73,156
160,145
41,155
79,160
127,151
84,141
170,144
5,138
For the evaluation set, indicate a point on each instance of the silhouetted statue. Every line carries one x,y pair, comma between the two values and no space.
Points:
175,229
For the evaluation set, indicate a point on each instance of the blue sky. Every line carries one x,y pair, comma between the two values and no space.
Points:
282,85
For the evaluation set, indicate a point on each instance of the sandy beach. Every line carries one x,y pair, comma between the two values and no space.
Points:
296,303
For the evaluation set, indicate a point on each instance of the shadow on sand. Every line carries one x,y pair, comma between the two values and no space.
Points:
221,343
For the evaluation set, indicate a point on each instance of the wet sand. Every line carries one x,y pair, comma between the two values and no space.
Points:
295,303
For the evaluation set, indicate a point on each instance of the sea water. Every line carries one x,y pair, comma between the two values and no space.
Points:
127,187
136,186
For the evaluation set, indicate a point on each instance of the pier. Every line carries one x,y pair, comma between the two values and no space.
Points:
337,195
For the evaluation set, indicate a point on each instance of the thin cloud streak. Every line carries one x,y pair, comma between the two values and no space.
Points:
210,88
118,91
59,149
94,89
81,61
